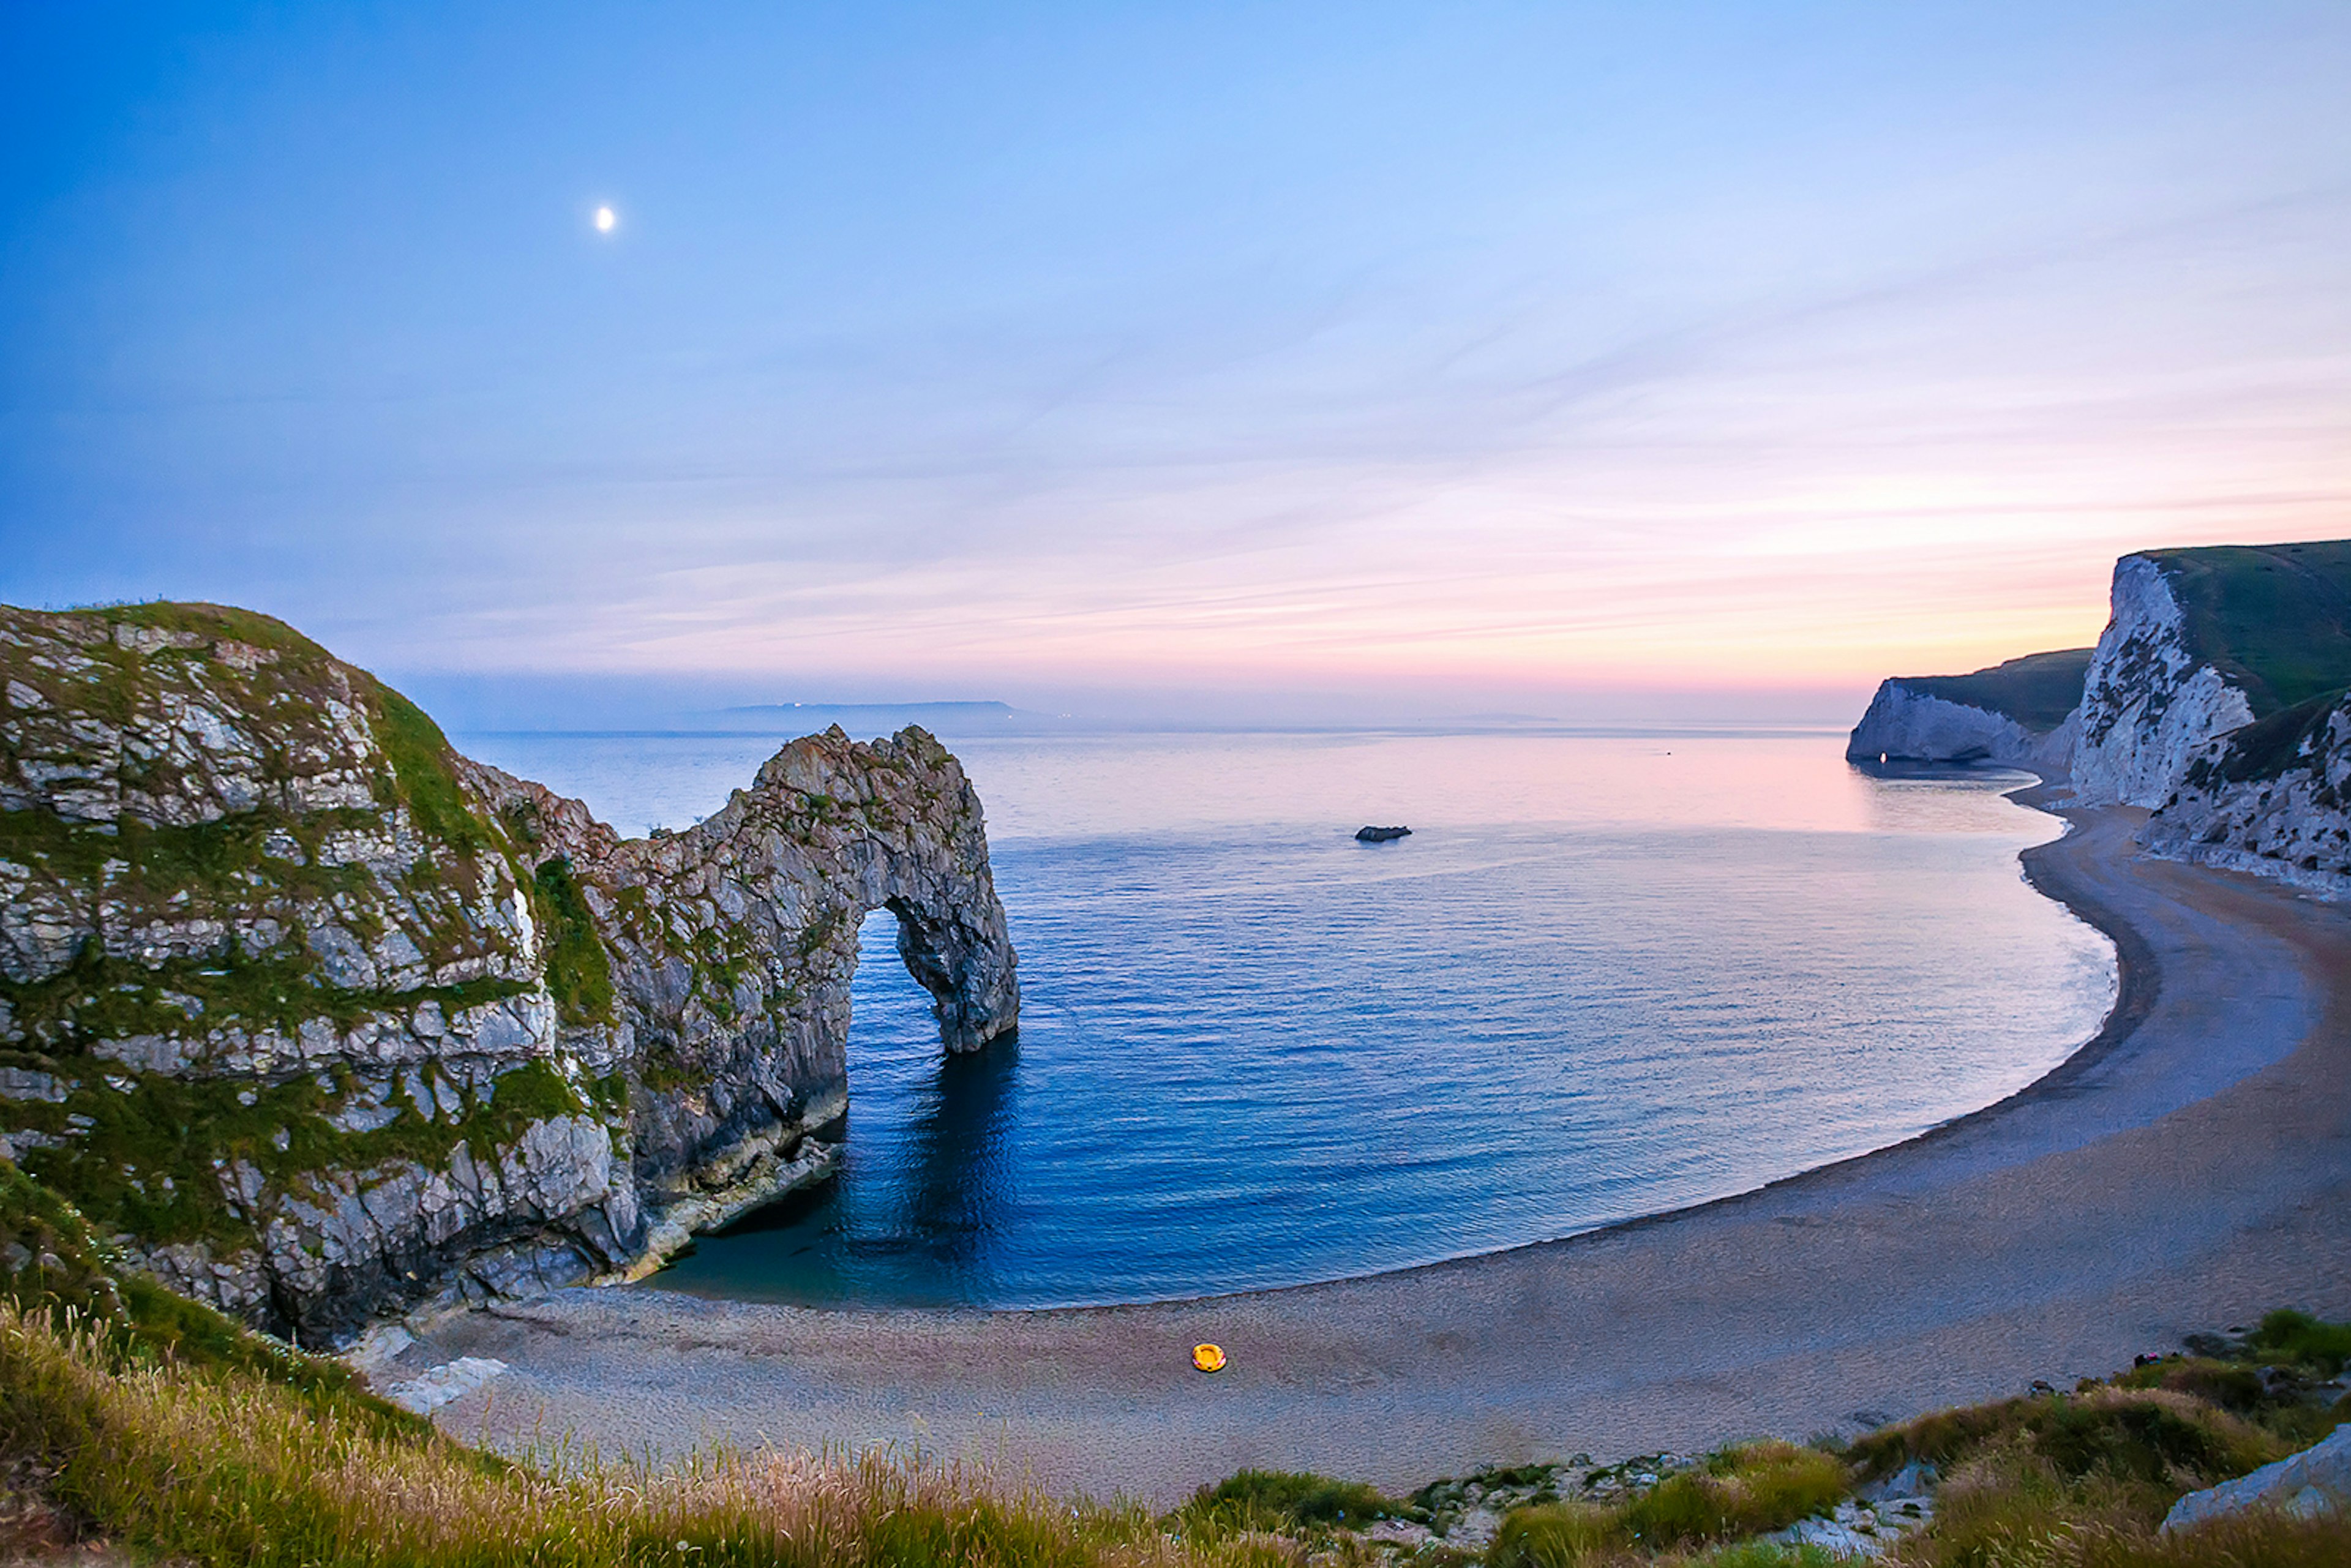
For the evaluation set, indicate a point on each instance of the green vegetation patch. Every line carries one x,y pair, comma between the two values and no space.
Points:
423,778
2149,1435
579,973
1561,1535
2269,747
1741,1491
2297,1337
238,859
100,996
70,1277
2037,691
2274,619
1286,1500
151,1154
218,621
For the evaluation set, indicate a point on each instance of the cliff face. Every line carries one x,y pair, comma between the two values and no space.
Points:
2183,709
2022,714
1907,724
2152,700
322,1018
2272,798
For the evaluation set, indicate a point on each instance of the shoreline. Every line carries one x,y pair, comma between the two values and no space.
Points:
2131,998
1805,1306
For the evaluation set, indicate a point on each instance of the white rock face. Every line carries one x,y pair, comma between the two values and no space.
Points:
1903,724
2149,704
2316,1480
2295,827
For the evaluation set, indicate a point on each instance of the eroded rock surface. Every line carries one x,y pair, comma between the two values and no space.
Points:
2316,1480
1907,724
2153,699
321,1018
2272,798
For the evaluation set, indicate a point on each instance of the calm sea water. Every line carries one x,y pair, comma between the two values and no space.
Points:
1605,977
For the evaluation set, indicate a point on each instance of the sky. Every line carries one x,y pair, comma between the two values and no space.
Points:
1591,361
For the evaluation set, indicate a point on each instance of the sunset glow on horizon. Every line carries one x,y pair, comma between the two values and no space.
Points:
1489,358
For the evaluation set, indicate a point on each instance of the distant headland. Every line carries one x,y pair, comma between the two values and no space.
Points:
2218,698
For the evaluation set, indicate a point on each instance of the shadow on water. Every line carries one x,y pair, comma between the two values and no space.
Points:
907,1222
957,1168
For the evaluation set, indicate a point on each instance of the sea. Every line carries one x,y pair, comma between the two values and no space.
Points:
1606,975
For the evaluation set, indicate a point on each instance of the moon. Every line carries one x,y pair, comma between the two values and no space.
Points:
605,219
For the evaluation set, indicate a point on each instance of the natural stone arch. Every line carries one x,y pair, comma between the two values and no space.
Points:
734,942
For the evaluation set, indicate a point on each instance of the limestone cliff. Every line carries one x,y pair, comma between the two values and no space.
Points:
2272,798
321,1018
2021,714
2151,699
2201,643
2215,696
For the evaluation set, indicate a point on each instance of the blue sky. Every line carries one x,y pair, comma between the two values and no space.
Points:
1270,358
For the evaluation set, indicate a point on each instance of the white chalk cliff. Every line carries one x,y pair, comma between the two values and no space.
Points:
2151,701
2274,799
1904,724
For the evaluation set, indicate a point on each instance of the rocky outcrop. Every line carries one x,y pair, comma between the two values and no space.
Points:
2315,1481
1904,724
321,1018
2182,709
2022,714
2272,798
731,946
2152,698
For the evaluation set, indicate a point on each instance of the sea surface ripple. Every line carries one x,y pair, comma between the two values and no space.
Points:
1606,975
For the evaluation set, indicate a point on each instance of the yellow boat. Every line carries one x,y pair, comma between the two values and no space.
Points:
1208,1357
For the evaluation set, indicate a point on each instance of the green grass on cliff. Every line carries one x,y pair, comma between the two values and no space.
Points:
144,1152
2275,619
578,974
2037,691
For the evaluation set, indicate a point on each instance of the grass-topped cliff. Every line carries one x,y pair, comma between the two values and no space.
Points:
2223,671
134,1417
2275,619
318,1016
2037,691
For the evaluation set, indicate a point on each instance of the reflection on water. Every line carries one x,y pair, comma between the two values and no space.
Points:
957,1161
1604,978
922,1182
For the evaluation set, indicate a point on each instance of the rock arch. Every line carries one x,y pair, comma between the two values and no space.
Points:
733,944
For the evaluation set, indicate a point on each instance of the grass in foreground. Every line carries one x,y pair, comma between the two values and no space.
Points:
218,1462
226,1467
160,1425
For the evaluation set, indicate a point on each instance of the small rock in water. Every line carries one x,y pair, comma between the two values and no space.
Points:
1369,835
